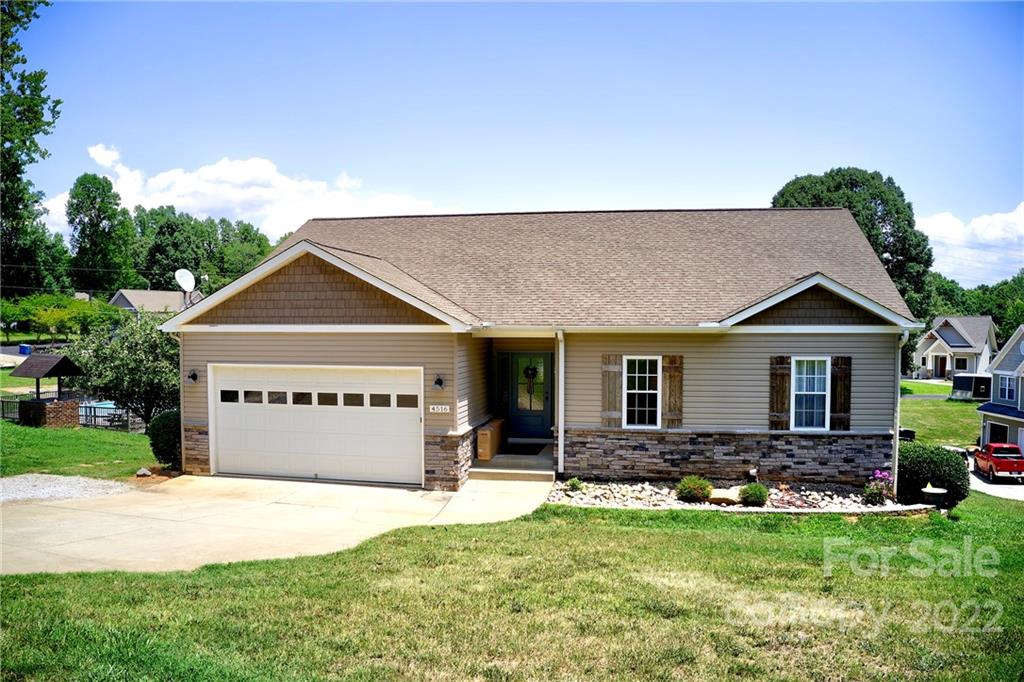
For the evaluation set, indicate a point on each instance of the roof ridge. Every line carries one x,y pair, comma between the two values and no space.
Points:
340,248
584,212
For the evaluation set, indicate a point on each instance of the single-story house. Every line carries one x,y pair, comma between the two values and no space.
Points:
153,301
956,345
640,344
1002,418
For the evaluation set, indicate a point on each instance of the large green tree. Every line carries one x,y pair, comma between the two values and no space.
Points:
135,365
884,215
178,241
32,259
102,237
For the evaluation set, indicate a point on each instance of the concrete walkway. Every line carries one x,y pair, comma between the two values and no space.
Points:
190,521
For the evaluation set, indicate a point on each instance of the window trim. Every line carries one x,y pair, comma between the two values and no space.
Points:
641,427
828,393
1011,386
960,369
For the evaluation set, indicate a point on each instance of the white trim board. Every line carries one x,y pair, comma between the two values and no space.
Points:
299,249
833,286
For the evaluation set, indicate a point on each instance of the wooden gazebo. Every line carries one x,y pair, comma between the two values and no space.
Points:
47,366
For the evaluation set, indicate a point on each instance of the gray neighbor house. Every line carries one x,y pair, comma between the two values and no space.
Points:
625,344
1002,418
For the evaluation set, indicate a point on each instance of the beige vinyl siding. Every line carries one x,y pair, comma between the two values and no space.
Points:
471,354
725,376
433,352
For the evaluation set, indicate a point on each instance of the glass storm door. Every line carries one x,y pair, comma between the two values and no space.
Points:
529,402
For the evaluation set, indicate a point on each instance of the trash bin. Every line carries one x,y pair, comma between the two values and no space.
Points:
24,349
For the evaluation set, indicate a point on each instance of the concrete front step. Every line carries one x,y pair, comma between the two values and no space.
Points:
491,474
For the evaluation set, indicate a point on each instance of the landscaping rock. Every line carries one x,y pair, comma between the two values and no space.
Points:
725,495
143,472
48,486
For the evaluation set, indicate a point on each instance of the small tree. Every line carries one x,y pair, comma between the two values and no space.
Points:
53,321
12,314
136,366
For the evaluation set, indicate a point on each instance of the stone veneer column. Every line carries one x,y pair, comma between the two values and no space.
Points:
447,460
195,449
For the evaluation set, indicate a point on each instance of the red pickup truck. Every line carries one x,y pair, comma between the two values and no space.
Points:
1000,461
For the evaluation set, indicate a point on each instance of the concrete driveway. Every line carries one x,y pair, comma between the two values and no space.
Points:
190,521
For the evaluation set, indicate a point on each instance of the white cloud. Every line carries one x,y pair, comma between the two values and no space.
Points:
241,189
985,250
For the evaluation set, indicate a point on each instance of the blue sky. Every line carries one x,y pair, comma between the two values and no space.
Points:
279,112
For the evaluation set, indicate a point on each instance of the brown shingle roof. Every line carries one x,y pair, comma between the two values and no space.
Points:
613,267
45,365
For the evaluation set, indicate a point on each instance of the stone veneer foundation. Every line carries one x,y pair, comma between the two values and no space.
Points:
617,454
447,458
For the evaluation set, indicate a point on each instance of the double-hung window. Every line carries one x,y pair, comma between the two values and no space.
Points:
1007,387
641,392
810,399
960,364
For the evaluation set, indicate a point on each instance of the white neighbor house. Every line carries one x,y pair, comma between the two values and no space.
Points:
956,345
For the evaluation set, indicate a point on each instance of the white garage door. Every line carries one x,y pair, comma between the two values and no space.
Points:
355,424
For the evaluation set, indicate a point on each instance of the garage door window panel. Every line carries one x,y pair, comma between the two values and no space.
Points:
253,397
380,400
327,399
353,400
302,398
277,397
229,396
407,400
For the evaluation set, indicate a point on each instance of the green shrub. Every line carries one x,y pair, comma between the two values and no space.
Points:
921,464
693,489
754,495
574,484
165,438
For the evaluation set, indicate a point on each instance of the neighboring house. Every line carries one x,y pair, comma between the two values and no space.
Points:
956,345
1002,418
642,344
150,301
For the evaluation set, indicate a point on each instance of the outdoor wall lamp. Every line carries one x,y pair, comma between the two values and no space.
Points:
439,382
192,376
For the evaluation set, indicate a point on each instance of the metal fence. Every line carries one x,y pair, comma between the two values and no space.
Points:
90,415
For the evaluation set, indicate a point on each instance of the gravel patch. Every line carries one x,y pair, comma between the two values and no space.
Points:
661,495
50,487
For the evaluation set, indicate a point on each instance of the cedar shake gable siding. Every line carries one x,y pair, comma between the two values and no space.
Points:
310,290
814,306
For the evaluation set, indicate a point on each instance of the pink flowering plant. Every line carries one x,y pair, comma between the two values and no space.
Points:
878,489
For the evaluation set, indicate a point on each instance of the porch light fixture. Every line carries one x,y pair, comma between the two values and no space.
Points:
439,382
192,376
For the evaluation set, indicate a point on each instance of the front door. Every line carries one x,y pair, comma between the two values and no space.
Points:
529,400
940,367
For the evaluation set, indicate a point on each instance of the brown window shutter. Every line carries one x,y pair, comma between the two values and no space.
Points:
672,391
611,391
839,405
778,393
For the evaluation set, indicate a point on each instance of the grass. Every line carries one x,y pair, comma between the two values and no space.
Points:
96,453
34,338
925,388
565,593
7,381
942,422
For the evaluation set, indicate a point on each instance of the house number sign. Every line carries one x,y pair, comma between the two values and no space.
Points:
440,409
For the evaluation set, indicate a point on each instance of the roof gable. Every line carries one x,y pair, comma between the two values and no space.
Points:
297,295
814,306
1011,357
309,290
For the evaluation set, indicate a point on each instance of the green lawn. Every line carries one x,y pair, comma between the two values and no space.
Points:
942,422
566,593
7,381
97,453
925,388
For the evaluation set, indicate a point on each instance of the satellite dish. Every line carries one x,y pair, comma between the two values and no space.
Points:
185,279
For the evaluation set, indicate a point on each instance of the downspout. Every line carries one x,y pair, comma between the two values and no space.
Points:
896,414
561,400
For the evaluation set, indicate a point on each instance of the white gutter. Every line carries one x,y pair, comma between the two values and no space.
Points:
896,412
561,400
